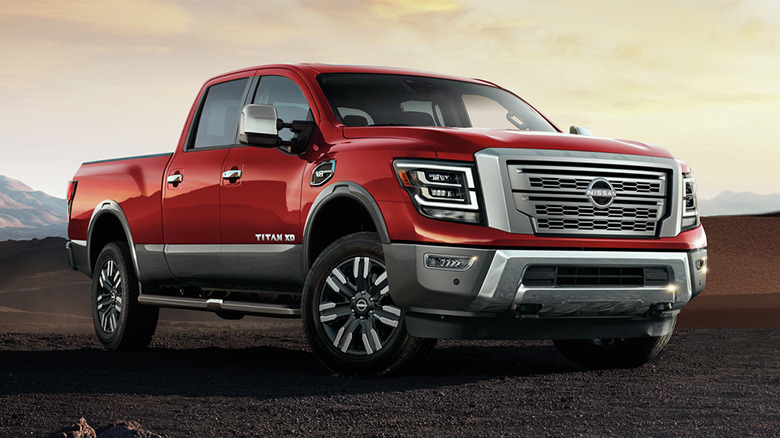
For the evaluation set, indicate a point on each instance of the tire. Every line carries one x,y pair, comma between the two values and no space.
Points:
612,353
121,323
352,325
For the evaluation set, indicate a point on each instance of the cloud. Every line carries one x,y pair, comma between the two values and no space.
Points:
147,17
679,73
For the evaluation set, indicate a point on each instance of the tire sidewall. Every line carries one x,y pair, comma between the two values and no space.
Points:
344,249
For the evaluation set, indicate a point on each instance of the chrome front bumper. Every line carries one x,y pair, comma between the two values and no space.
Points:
492,288
503,282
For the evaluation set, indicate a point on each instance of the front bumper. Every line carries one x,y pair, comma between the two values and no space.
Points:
490,300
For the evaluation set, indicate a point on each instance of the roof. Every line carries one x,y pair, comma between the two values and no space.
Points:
313,69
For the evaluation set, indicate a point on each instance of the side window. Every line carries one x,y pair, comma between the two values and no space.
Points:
218,121
286,97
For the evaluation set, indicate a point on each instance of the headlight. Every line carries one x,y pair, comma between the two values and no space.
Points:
690,210
441,190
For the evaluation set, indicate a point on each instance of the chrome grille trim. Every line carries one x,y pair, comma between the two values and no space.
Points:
551,188
570,211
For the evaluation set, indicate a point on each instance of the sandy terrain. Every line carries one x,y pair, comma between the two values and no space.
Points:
202,376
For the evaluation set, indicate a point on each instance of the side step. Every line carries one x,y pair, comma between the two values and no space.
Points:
216,305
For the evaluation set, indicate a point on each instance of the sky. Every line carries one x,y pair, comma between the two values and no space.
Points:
95,79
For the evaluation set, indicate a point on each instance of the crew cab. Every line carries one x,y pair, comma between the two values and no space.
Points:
390,208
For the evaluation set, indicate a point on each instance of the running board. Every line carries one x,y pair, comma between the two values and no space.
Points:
217,305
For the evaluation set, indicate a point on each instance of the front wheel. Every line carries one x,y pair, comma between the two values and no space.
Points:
612,353
121,322
350,320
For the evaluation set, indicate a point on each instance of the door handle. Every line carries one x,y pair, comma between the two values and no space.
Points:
232,174
175,179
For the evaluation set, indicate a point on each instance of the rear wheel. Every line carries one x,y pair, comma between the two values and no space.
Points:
121,323
612,353
350,320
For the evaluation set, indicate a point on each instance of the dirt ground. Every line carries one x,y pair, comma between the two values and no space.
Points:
212,379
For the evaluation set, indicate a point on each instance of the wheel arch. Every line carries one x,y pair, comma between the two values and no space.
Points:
321,228
109,224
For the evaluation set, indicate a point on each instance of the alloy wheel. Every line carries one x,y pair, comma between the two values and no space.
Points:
355,310
109,297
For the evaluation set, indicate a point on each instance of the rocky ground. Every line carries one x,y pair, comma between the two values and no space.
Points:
211,379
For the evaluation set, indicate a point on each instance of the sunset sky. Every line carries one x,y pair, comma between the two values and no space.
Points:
87,80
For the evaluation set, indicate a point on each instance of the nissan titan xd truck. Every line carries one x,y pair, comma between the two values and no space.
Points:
390,208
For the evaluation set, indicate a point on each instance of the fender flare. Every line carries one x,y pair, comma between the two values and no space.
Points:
338,190
111,207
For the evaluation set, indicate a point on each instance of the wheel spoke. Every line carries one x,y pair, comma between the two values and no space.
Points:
110,275
105,279
365,332
375,335
102,300
112,320
361,268
344,336
341,331
371,336
388,315
104,321
380,288
339,284
331,311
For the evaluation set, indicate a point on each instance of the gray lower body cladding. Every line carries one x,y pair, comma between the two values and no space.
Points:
608,294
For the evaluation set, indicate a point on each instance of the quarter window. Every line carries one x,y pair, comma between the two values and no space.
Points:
218,123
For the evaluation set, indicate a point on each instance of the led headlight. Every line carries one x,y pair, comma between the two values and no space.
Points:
440,190
690,210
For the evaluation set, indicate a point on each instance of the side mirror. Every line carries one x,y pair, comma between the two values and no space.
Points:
258,126
580,131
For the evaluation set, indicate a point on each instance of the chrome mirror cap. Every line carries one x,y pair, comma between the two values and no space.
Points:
258,126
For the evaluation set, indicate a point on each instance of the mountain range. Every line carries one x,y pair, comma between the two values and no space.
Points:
739,204
29,214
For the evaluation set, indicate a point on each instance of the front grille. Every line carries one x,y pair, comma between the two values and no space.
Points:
554,195
539,182
567,276
596,225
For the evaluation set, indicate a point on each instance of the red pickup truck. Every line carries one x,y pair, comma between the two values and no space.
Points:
389,208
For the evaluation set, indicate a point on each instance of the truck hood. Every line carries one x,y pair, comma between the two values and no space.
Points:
461,143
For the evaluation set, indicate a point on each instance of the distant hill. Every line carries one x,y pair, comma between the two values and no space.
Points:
29,214
739,204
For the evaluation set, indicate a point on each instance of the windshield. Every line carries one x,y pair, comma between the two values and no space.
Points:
362,99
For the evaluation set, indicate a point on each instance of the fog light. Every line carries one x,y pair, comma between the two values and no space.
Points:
701,265
452,215
661,307
451,263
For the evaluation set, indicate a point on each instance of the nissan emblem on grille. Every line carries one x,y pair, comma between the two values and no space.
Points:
601,193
